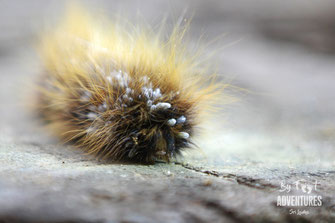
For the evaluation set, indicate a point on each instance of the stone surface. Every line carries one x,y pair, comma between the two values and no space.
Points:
279,132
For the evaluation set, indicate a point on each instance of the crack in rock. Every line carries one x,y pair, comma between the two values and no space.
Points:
243,180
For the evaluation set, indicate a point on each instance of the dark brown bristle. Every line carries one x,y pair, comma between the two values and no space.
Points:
122,117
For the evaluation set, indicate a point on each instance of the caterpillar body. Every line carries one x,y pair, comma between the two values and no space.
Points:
122,93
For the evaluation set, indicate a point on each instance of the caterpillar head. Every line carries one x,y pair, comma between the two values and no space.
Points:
162,135
155,124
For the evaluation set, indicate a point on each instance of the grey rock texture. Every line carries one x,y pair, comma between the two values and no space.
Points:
280,131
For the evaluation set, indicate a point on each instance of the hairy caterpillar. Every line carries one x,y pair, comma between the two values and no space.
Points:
122,93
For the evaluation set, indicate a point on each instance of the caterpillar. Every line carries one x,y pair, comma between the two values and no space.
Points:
121,92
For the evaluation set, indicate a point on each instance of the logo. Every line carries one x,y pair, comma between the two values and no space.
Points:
305,195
